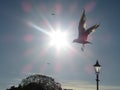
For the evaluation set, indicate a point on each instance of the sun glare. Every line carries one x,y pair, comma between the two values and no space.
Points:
59,39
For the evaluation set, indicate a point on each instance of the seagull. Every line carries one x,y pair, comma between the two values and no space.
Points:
48,63
83,32
53,14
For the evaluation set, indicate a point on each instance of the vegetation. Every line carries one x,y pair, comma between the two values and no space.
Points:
37,82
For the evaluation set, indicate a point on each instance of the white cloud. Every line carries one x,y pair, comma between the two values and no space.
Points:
76,85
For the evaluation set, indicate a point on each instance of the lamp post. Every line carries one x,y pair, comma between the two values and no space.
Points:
97,68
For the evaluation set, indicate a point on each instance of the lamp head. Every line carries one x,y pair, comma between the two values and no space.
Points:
97,67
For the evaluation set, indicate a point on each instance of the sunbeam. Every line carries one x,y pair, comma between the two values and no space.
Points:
38,28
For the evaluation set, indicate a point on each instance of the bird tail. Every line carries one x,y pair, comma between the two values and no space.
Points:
89,43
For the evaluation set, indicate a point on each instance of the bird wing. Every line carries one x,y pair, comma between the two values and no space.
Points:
82,23
91,29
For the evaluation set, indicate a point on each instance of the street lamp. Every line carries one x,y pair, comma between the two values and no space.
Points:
97,68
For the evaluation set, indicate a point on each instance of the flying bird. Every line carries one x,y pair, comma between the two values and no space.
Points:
53,14
83,32
48,63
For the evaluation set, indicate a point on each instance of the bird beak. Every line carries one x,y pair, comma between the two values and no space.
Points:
73,41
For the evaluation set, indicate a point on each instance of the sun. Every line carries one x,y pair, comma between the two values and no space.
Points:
59,39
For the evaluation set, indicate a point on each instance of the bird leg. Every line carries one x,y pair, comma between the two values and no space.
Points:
82,48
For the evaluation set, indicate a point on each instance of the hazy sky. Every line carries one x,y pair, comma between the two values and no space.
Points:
25,49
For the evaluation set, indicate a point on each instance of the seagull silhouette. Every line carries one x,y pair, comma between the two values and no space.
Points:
53,14
83,32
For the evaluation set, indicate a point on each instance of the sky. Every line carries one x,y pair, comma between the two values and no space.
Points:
25,48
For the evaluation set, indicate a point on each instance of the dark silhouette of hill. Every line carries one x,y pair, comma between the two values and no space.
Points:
37,82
